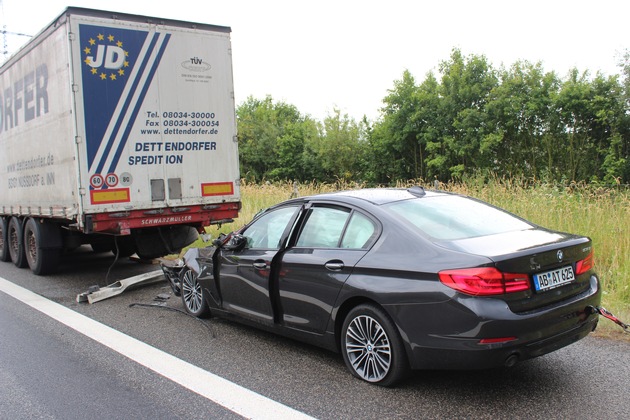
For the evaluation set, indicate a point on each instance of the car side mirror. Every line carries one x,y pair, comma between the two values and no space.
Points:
236,243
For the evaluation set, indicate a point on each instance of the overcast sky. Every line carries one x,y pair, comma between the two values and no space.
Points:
322,54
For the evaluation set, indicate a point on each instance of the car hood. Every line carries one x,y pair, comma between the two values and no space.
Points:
512,243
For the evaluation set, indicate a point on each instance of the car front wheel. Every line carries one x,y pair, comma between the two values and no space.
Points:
371,346
192,295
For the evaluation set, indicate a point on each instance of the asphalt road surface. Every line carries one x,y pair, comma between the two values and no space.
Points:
49,370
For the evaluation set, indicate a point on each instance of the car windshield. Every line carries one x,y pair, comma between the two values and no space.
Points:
448,218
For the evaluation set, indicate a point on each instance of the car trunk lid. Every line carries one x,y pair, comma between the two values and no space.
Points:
550,259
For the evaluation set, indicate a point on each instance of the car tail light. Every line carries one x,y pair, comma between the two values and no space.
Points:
484,281
584,265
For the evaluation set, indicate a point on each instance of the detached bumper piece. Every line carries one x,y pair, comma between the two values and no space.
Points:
96,294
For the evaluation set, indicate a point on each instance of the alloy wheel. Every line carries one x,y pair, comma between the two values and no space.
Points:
191,292
368,348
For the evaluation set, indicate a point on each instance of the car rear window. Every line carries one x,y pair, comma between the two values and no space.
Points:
452,217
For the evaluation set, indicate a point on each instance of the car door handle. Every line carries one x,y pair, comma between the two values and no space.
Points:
334,265
261,265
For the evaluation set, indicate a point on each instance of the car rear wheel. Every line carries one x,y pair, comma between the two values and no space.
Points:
371,346
4,242
193,295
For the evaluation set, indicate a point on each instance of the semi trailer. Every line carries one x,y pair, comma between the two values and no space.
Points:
118,131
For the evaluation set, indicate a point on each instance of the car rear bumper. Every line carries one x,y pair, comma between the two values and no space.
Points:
496,355
453,341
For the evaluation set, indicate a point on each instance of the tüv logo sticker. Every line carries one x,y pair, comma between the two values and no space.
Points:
196,64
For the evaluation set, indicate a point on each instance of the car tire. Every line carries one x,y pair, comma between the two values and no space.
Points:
371,346
193,296
4,241
15,237
42,246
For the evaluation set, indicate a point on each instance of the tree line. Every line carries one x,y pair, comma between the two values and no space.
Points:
468,119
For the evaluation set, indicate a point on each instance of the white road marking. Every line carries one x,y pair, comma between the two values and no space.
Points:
234,397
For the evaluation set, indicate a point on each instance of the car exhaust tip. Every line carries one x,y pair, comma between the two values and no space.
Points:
511,360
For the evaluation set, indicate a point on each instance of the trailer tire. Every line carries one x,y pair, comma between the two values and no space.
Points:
157,242
100,247
124,246
4,242
15,236
42,245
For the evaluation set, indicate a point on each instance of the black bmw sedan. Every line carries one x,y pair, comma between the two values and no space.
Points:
400,279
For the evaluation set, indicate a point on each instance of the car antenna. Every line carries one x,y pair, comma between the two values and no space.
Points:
418,191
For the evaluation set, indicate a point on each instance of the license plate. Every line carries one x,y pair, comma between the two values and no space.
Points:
554,278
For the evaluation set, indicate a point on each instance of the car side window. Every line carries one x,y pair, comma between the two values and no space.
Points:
323,227
359,232
266,232
333,227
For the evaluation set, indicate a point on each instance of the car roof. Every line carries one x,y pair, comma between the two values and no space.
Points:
379,196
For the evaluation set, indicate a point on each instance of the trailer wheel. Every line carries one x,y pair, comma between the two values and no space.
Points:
4,242
100,247
42,243
124,246
16,243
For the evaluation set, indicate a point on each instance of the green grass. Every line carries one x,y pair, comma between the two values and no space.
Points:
600,213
